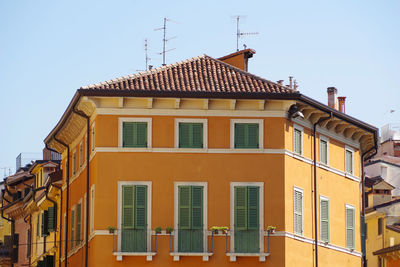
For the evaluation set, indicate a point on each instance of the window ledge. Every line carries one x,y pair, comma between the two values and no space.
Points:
205,255
261,256
149,255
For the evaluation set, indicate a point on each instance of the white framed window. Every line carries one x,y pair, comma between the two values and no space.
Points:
298,136
247,134
93,143
349,160
135,132
134,216
324,219
247,217
323,150
81,153
191,133
78,223
298,211
92,198
74,162
350,226
72,239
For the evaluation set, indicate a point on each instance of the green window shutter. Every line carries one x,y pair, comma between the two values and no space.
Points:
240,208
197,207
38,225
51,220
184,207
44,223
127,206
78,223
141,134
240,129
190,135
323,151
324,220
40,264
72,238
297,141
252,135
253,207
298,212
140,207
197,135
127,134
349,162
350,214
247,135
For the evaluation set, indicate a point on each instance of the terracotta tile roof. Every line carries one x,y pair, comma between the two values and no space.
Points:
199,74
386,250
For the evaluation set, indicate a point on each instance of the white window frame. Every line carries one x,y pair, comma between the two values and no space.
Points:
149,205
261,212
260,132
348,206
121,120
301,129
72,238
326,139
176,212
191,120
92,200
298,189
347,148
80,240
329,218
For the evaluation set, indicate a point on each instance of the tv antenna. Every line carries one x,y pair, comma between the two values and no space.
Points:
146,49
239,34
165,40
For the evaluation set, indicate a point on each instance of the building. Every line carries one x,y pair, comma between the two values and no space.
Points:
5,235
204,143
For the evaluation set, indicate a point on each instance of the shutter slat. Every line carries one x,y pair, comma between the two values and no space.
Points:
253,209
127,206
140,206
252,140
240,135
51,219
298,212
197,207
127,134
184,207
350,227
324,216
240,208
197,135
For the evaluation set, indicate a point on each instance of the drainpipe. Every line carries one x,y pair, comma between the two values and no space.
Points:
83,115
315,185
66,208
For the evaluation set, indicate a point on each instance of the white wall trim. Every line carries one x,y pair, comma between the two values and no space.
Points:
149,206
194,120
232,212
260,132
121,120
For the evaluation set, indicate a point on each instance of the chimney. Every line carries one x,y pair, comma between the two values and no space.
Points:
332,96
342,104
239,59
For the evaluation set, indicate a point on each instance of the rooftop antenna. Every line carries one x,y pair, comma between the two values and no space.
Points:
165,40
146,47
238,33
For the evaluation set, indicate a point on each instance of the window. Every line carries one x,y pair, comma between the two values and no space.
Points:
93,137
380,226
323,150
73,162
298,211
92,209
81,154
324,219
78,230
72,238
191,133
134,202
44,223
135,132
349,161
51,219
298,139
247,134
350,227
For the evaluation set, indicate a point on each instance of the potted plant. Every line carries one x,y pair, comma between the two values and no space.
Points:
224,229
271,229
111,229
214,229
158,229
169,230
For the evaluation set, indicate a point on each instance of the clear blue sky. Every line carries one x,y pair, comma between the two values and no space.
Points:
49,49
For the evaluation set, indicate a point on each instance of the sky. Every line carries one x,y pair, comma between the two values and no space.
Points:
49,49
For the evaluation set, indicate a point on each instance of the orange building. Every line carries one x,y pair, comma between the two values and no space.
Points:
204,143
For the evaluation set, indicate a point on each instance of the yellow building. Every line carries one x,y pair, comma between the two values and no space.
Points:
42,206
204,143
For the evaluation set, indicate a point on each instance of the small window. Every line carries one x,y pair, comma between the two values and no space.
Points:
74,163
72,244
81,154
349,161
78,237
298,140
350,227
298,211
247,134
380,226
324,219
190,133
135,132
323,150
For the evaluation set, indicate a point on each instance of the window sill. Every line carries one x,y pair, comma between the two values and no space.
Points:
232,256
149,255
205,255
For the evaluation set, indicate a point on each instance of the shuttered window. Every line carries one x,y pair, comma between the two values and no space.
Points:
78,223
324,219
134,218
44,223
81,154
298,211
323,157
350,227
93,138
298,136
134,134
190,218
246,213
190,135
247,135
51,220
74,163
349,161
72,239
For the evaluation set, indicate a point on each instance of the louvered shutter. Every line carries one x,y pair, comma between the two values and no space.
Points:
140,134
240,208
127,206
51,220
323,151
240,135
324,215
252,135
127,134
184,207
197,207
349,162
72,238
350,228
253,209
298,212
197,135
44,223
184,133
140,207
78,223
297,141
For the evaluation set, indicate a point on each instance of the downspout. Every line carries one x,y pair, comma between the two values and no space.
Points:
83,115
66,209
315,185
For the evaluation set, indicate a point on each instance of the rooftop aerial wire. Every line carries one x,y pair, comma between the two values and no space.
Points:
238,33
165,40
146,49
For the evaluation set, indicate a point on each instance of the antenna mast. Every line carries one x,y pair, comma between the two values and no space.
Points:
238,33
165,40
146,46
